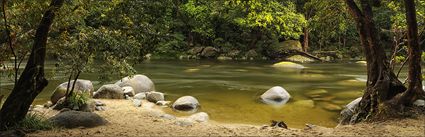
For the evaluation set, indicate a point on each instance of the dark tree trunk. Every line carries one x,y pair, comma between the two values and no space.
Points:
414,88
32,80
382,84
306,39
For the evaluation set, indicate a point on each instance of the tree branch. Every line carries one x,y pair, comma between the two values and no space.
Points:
354,9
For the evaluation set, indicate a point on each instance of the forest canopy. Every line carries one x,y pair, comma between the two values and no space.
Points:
175,28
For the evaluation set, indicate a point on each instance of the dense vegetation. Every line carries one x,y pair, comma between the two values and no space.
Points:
173,29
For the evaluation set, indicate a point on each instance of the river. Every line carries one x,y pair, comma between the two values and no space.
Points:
228,90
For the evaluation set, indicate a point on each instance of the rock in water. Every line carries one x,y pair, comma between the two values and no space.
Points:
110,91
73,119
276,96
304,103
154,96
140,83
186,103
331,107
81,86
285,64
300,59
362,62
200,117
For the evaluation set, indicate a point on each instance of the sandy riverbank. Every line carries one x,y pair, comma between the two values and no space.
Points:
127,120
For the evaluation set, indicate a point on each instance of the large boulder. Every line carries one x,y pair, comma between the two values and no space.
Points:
109,91
276,96
285,64
283,49
139,83
154,96
186,103
74,119
81,86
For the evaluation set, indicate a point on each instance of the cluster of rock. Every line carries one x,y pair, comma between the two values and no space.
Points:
135,88
279,51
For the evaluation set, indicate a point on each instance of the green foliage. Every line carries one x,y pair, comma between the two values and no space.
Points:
423,57
271,16
116,34
77,100
400,59
34,121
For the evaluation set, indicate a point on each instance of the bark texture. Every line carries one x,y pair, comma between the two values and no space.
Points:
382,84
32,80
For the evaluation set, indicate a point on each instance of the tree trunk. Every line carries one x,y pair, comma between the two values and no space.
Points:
306,40
414,88
32,80
382,84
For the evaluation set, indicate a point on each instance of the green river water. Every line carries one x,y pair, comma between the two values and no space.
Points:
229,91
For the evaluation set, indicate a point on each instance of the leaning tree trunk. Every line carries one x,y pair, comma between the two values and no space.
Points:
382,84
32,80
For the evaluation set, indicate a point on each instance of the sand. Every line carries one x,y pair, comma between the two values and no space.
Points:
127,120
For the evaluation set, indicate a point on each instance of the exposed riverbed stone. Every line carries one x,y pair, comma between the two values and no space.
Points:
200,117
285,64
129,91
154,96
140,96
300,59
275,95
186,103
110,91
362,62
140,83
162,103
73,119
81,86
